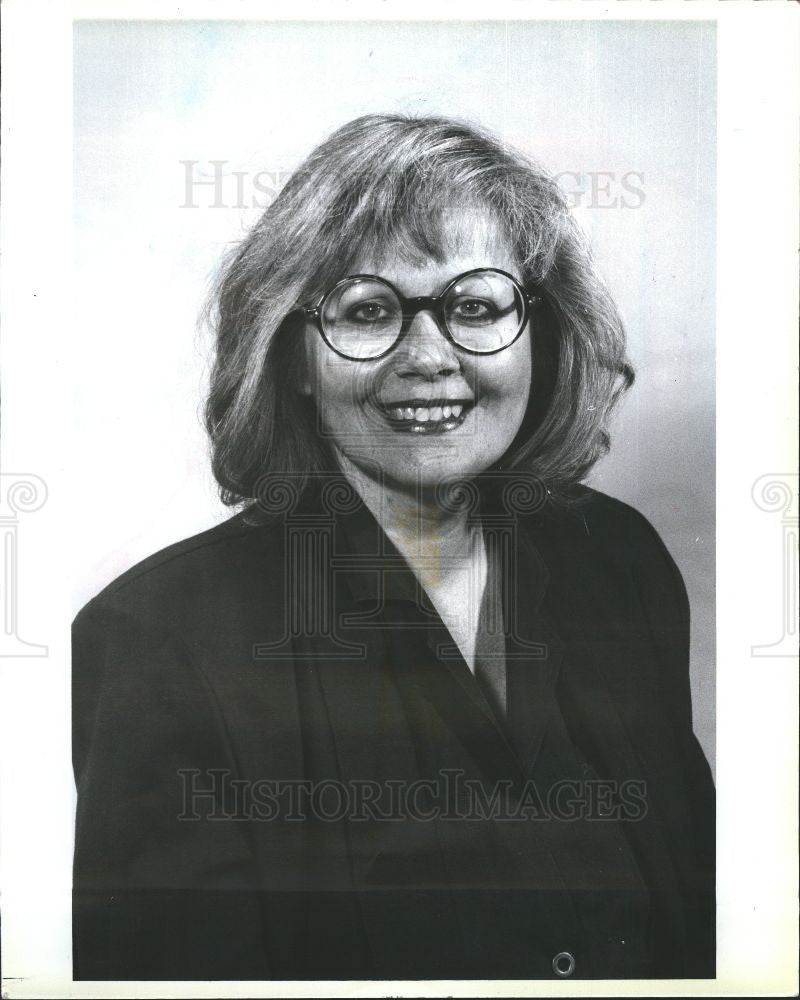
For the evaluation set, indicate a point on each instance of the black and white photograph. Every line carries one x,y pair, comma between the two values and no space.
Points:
392,517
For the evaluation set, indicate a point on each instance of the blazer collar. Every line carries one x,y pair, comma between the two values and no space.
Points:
374,574
374,569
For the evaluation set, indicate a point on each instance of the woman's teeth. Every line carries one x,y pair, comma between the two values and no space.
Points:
426,414
433,419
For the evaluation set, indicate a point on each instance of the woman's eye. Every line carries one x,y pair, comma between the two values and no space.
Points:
476,310
368,312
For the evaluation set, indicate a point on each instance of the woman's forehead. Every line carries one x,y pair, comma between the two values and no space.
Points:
464,239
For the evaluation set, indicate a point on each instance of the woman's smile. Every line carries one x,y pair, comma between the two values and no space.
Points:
427,416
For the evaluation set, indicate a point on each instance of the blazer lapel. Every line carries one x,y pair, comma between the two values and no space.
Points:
394,857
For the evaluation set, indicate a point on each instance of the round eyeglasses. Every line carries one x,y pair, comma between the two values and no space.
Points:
364,317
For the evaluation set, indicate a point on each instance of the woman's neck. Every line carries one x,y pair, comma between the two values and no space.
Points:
444,550
437,543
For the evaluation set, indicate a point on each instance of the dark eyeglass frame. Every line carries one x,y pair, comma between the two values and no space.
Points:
435,304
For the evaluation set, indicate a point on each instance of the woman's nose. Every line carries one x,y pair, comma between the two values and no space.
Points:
426,350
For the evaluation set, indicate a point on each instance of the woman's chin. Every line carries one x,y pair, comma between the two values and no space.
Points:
423,477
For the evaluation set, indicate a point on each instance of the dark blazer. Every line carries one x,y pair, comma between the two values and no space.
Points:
216,673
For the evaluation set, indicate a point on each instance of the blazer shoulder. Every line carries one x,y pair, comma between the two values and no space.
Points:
192,572
630,531
598,528
608,521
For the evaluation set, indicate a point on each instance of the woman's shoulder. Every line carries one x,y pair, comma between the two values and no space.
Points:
598,528
612,520
603,518
194,573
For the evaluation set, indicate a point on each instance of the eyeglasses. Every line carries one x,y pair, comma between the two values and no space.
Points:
364,317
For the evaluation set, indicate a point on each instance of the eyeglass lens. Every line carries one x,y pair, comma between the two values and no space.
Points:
363,317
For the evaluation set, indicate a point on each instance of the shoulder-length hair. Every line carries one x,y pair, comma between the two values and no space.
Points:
383,182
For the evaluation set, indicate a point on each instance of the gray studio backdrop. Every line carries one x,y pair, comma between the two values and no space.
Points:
184,130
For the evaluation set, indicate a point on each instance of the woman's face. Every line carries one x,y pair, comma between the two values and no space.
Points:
358,402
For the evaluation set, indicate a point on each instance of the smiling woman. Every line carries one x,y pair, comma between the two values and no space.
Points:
420,194
421,708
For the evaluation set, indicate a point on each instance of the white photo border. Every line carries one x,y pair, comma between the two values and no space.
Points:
757,311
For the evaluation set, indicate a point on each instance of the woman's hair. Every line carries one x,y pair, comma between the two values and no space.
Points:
382,184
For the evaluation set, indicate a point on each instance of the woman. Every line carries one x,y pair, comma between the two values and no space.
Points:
421,708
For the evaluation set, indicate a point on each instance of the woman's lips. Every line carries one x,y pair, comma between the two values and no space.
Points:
428,416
